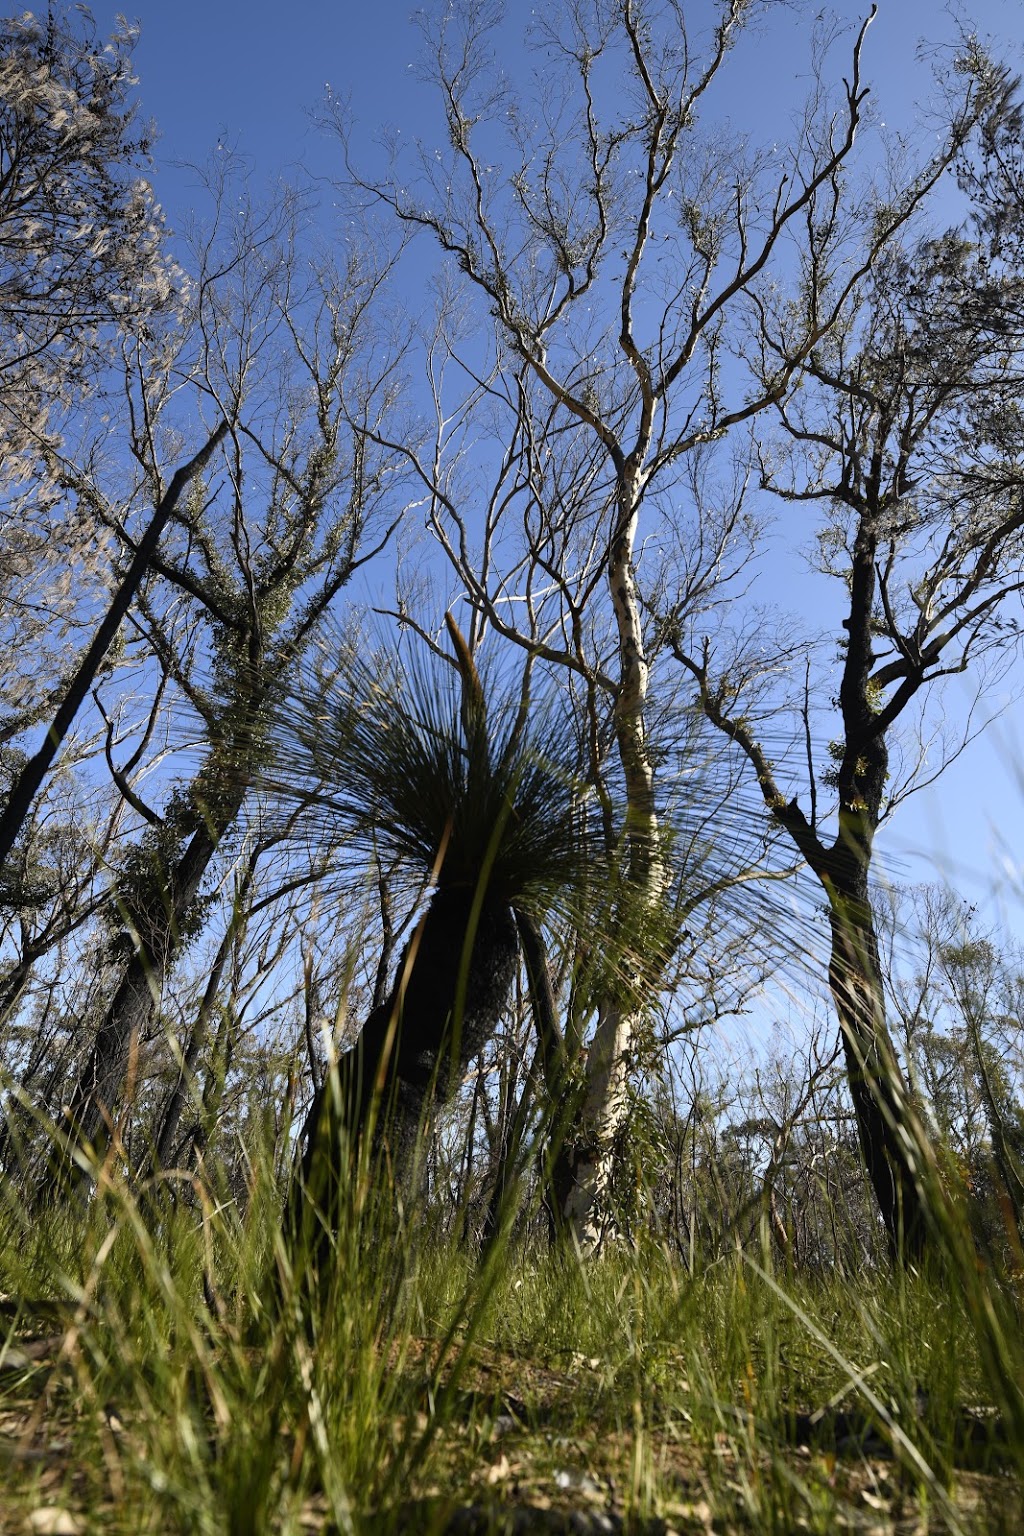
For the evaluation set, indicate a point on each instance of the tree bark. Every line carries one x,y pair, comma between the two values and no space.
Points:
585,1162
898,1157
29,781
453,983
549,1061
892,1140
167,1130
157,942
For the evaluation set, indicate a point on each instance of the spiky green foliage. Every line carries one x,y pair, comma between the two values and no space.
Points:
405,760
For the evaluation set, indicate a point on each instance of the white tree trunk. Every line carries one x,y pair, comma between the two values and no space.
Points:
587,1207
605,1108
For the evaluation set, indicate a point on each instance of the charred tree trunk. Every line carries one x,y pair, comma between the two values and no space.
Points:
550,1065
453,983
898,1158
891,1139
29,781
101,1083
167,1130
156,929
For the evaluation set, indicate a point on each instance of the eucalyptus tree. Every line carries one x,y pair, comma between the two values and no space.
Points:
987,989
900,439
81,247
618,239
292,354
82,262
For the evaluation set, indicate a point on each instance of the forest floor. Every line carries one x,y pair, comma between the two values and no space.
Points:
624,1396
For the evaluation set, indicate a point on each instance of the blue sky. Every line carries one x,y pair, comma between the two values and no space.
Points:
243,70
243,74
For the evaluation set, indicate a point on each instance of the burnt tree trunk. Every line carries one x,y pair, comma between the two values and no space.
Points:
897,1156
550,1064
886,1120
29,781
453,983
160,920
128,1014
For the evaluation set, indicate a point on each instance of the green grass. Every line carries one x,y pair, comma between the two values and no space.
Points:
165,1391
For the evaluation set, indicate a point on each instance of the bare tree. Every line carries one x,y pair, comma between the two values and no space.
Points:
29,780
293,499
899,435
620,242
82,263
957,995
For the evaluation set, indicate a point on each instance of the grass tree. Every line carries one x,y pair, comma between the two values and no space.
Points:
467,793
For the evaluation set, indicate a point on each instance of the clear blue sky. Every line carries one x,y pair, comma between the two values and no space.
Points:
244,69
242,73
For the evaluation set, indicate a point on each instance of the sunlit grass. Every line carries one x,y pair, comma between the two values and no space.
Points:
173,1391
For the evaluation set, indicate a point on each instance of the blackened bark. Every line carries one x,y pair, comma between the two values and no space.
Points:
890,1138
29,781
893,1142
410,1057
164,1137
157,942
551,1061
550,1041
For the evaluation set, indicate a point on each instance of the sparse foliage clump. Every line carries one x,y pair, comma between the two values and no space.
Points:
80,233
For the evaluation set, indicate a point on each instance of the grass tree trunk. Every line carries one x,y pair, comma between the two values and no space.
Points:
453,984
468,795
549,1067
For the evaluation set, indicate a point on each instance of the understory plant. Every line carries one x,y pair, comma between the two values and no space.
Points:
468,795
